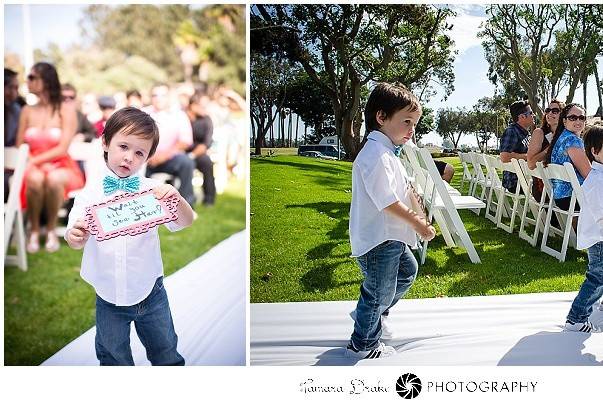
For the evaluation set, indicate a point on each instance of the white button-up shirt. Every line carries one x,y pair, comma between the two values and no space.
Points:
123,269
590,222
378,181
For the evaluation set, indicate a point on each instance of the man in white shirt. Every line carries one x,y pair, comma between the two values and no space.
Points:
382,225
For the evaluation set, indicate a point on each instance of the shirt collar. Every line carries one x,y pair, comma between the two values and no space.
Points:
523,130
381,138
597,166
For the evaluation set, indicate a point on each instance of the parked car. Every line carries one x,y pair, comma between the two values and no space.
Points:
316,154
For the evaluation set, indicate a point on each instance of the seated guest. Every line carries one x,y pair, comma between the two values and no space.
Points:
48,127
175,137
567,146
514,141
540,140
107,107
202,139
134,99
446,170
84,131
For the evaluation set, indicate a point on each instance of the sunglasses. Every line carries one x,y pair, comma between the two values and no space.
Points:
528,113
573,117
32,77
554,110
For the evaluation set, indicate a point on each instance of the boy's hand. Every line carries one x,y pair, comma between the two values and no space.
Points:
427,232
78,235
165,191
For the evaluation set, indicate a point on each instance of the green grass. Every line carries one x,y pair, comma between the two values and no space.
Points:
50,305
300,246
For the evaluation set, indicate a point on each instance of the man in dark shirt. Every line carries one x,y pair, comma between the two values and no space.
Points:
202,140
514,141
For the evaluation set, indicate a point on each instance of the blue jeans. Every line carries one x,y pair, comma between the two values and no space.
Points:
389,270
592,287
182,167
154,326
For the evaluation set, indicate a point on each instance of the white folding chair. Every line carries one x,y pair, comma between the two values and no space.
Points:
481,180
533,211
468,174
15,159
495,195
443,207
512,209
565,218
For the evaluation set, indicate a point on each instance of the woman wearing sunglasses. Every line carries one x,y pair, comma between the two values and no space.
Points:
567,146
540,140
48,127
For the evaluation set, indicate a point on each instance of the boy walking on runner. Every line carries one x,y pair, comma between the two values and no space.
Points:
382,225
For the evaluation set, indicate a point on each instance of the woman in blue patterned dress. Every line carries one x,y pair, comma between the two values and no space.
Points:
567,146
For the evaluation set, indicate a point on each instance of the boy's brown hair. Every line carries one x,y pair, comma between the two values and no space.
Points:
593,139
388,98
131,121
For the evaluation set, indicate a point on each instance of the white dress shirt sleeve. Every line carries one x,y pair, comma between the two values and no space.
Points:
380,183
82,200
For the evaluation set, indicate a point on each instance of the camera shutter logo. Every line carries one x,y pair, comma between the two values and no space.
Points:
408,386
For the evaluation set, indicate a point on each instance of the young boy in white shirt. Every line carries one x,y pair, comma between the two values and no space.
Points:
382,225
127,271
590,235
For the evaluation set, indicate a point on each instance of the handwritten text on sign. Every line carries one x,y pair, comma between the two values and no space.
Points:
138,210
130,214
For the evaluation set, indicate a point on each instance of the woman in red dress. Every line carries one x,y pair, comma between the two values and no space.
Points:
51,174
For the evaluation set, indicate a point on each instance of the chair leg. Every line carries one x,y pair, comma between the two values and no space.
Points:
20,238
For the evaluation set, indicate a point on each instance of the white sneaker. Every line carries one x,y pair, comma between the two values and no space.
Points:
587,327
378,352
386,331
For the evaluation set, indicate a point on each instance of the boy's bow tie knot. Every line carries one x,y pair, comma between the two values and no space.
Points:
397,149
128,184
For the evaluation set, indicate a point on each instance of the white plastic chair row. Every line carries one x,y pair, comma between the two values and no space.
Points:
501,203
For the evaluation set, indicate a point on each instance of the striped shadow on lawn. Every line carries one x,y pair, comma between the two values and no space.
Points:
300,244
50,305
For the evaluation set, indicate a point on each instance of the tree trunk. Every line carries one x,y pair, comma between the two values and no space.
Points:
296,130
584,93
599,89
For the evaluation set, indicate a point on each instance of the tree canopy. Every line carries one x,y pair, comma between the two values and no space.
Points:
344,48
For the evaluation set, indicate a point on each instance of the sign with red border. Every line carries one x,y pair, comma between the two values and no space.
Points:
130,214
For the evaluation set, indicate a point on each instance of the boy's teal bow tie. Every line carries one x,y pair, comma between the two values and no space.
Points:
129,184
397,149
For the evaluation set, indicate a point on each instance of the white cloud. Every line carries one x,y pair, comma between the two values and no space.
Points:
465,29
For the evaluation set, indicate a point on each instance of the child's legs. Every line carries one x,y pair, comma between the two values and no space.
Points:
155,328
407,272
380,268
113,333
592,287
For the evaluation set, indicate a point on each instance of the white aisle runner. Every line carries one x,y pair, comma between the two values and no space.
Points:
208,302
484,331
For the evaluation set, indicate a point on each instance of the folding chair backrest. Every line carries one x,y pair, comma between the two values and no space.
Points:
493,165
14,159
573,179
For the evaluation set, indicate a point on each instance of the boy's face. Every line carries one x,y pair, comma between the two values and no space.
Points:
127,153
399,127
